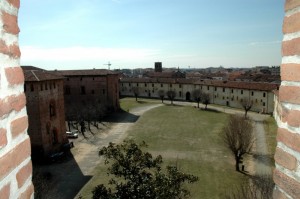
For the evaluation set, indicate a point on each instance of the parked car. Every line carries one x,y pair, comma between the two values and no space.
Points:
72,134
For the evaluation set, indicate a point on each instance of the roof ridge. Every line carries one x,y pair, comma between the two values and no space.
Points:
35,75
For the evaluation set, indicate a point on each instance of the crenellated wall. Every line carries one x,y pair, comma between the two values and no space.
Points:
287,156
15,160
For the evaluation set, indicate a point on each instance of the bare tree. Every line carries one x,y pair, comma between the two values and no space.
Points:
258,187
171,95
238,136
161,94
197,94
247,105
136,92
205,99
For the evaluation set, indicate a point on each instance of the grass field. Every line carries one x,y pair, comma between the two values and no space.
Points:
189,138
271,133
128,103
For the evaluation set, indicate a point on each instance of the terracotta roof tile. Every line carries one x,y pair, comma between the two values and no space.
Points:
40,75
90,72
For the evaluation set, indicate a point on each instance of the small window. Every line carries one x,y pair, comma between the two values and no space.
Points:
252,93
68,79
103,91
129,84
223,90
137,84
145,85
215,88
161,85
264,94
215,96
170,85
264,104
80,78
54,85
93,78
67,90
242,91
179,85
208,88
179,93
46,86
82,90
231,90
145,91
50,85
52,109
122,84
152,85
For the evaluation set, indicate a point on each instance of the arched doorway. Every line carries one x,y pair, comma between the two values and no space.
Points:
188,96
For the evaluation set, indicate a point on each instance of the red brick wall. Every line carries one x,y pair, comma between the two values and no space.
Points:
38,102
15,161
287,156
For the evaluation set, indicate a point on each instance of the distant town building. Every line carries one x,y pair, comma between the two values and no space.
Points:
158,67
45,109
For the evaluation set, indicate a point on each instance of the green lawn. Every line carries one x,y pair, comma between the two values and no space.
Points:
189,138
271,133
129,103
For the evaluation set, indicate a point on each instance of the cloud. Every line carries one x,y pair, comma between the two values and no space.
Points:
264,43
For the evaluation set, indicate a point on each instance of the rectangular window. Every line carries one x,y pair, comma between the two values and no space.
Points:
67,90
82,90
223,90
46,86
161,85
208,88
252,93
215,88
170,85
242,91
145,85
152,85
137,84
129,84
180,94
231,90
54,85
264,104
103,91
179,85
264,94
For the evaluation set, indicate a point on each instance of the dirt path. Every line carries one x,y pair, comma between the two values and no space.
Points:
70,176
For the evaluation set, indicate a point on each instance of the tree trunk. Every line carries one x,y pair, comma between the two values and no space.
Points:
205,106
237,162
246,113
198,104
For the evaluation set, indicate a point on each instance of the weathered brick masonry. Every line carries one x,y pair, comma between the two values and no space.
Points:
15,161
287,156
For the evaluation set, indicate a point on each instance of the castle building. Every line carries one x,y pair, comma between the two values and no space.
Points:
95,86
226,93
45,109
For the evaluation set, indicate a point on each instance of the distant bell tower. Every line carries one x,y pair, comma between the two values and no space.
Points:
158,66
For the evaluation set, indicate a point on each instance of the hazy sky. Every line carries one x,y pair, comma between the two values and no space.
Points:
78,34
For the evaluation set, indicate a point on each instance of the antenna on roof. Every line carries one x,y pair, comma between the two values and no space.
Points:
108,64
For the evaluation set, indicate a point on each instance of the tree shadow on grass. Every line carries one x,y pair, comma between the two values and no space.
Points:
210,110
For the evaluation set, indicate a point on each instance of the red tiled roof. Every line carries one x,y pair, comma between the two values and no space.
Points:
40,75
241,85
90,72
228,84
